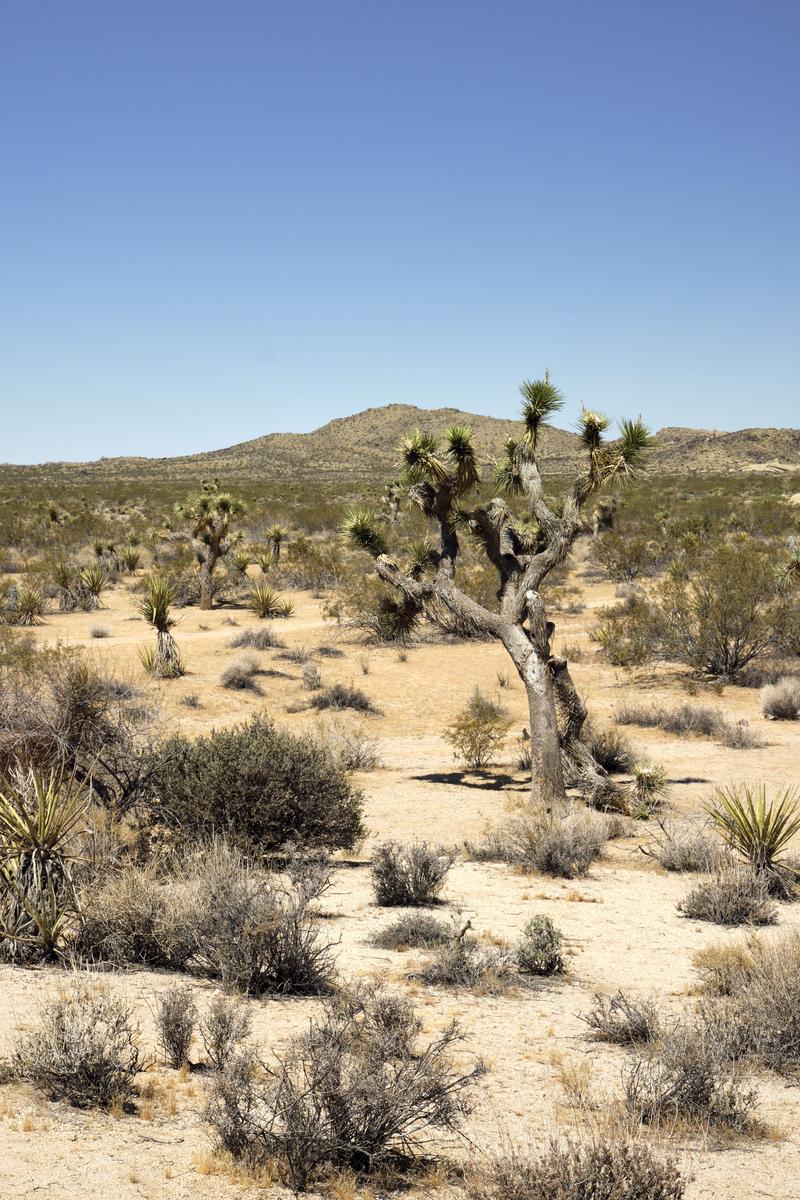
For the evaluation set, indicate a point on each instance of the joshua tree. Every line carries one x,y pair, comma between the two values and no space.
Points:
523,553
154,606
210,514
276,536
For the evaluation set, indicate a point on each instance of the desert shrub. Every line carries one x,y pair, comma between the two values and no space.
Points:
687,1075
737,896
99,631
685,848
258,933
462,962
59,712
349,747
412,930
352,1093
611,750
256,639
138,914
83,1049
175,1016
628,632
343,695
723,968
781,701
478,731
698,719
739,735
597,1170
622,1021
563,848
312,680
540,949
410,875
240,676
260,786
224,1026
191,700
623,557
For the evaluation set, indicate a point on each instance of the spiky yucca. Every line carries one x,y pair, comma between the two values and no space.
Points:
756,827
154,605
41,816
267,603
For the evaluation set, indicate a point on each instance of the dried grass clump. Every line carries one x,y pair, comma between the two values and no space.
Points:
611,750
462,962
596,1170
781,701
342,695
736,896
409,876
687,1075
357,1092
240,675
349,746
622,1021
256,639
82,1049
412,930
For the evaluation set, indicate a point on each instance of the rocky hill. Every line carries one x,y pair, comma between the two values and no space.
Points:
365,445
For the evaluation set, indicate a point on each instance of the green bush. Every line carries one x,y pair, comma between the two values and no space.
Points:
478,731
540,950
258,785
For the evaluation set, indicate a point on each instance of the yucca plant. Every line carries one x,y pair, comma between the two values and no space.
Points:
267,603
41,816
650,784
238,563
210,514
263,560
154,605
92,582
755,826
29,603
130,558
66,575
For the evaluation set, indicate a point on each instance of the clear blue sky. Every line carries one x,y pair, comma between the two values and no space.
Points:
222,219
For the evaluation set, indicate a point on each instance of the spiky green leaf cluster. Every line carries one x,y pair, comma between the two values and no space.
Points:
757,828
360,528
154,604
540,400
455,468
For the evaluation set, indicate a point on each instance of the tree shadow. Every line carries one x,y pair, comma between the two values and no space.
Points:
475,779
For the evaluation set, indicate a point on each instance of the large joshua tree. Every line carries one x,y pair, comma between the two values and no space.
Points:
210,514
441,480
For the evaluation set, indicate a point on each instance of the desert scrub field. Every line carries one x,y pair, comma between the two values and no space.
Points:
266,823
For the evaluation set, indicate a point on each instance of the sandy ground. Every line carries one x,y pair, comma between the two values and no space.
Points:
621,923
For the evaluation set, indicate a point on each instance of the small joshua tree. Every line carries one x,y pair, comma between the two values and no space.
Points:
210,514
440,480
276,536
154,606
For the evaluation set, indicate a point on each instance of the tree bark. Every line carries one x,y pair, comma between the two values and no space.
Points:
206,596
548,793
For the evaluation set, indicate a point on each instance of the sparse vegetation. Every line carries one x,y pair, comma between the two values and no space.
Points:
623,1021
409,876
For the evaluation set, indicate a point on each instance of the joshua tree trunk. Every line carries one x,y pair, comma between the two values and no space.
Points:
206,594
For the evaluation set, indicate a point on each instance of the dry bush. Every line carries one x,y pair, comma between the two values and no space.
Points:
596,1170
256,639
409,876
462,962
478,731
563,848
687,1076
684,719
623,1021
343,695
760,985
353,1093
349,746
83,1048
312,680
224,1026
739,735
240,675
684,848
175,1016
139,914
412,929
735,896
781,701
540,950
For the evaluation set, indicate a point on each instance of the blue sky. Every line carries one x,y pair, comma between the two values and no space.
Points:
218,220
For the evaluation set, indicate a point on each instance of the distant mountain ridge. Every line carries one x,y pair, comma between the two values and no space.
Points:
365,445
